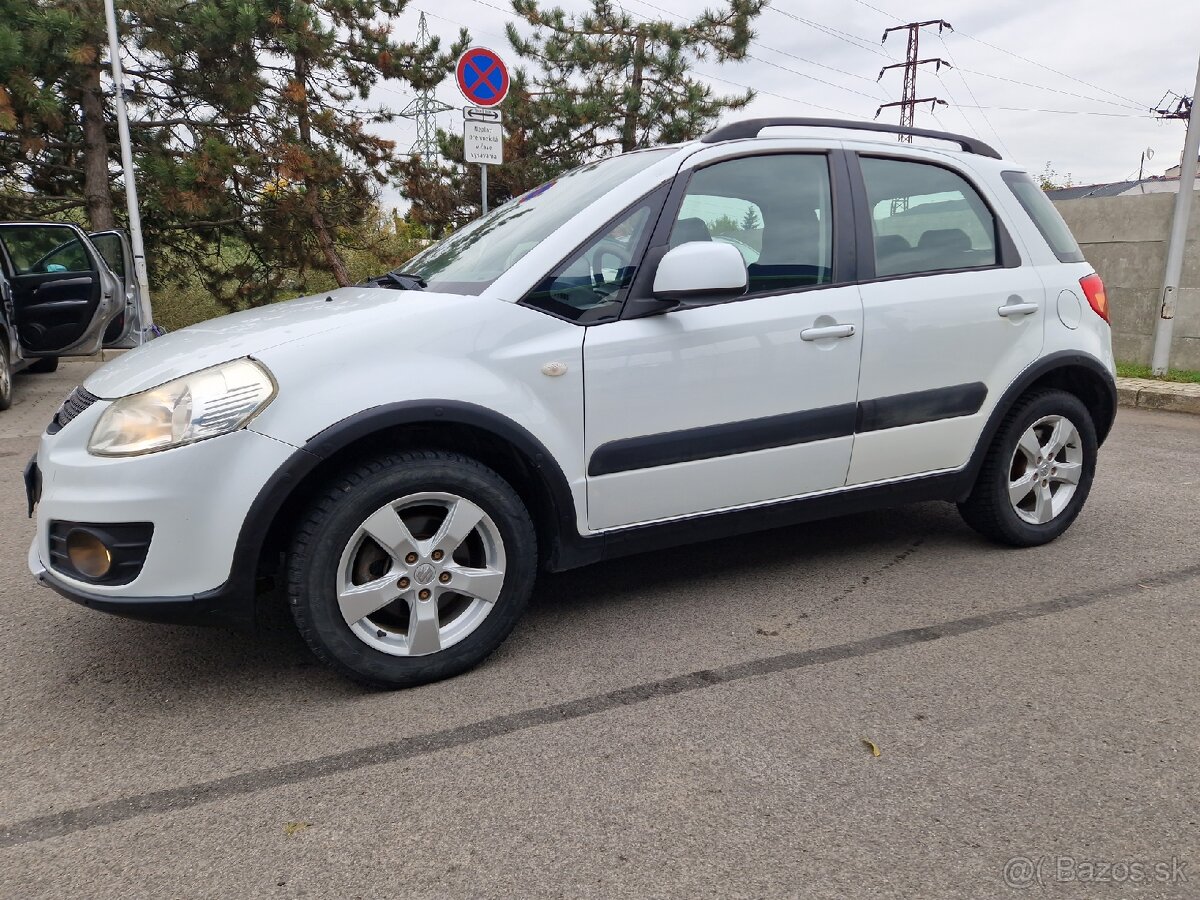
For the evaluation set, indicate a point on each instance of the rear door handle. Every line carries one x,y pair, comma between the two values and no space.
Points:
827,331
1017,309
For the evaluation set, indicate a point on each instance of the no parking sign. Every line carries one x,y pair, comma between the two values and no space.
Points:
482,76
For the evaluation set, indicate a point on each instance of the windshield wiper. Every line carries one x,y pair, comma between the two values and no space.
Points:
397,281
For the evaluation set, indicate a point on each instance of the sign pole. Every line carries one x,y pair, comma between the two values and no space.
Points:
137,246
483,79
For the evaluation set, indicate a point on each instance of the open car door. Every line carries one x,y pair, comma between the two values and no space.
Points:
133,324
63,294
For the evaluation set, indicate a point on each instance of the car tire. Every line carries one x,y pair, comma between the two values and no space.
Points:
1037,473
45,365
6,375
412,526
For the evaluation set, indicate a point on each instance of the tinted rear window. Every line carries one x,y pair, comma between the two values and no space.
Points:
1044,216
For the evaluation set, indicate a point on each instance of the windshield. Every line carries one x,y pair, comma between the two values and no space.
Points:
471,259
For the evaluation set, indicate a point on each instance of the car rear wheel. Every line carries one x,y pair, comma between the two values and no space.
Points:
411,567
1037,473
6,382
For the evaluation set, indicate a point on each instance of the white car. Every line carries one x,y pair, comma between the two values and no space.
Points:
584,373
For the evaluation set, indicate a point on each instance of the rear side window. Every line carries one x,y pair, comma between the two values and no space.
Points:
1044,216
926,218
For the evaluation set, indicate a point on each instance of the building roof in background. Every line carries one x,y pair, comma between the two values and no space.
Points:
1077,192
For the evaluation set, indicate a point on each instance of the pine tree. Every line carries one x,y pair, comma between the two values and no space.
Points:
598,83
53,139
626,82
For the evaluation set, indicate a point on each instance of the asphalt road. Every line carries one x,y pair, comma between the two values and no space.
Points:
681,724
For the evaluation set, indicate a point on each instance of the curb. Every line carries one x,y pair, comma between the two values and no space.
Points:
1149,393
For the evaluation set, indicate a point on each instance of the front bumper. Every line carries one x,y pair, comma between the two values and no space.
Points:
197,497
225,606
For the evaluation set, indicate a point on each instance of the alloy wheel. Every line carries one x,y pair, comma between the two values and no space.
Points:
420,574
1045,470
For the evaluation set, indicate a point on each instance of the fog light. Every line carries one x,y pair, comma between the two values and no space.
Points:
88,554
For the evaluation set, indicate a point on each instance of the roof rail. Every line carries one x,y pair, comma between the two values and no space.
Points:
749,128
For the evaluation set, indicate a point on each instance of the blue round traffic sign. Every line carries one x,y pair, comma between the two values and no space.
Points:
482,76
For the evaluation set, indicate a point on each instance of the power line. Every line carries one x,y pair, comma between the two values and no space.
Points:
810,77
1034,62
1065,112
883,12
1042,87
747,87
787,53
974,99
844,36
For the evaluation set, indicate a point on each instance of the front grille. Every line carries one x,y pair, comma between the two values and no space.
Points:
78,400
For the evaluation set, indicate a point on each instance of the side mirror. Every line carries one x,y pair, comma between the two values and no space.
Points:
701,272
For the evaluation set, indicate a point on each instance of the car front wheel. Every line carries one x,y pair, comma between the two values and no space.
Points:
6,382
1037,473
411,567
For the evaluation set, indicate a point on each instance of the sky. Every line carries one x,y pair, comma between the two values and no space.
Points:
1067,83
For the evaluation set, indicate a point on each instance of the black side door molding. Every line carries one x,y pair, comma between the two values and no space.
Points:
921,406
749,435
710,441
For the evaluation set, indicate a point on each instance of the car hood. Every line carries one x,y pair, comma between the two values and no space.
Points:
255,330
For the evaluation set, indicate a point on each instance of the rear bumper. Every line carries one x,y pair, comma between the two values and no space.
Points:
224,606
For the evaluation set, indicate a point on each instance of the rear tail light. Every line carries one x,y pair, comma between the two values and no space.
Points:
1093,289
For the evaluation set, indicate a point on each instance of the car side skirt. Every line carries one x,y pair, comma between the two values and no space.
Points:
581,551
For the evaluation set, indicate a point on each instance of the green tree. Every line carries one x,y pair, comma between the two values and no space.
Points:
593,84
53,141
621,82
1050,180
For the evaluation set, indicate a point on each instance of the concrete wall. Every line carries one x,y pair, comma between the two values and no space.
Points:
1125,238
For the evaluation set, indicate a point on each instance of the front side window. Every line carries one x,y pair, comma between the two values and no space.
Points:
776,210
926,218
45,249
592,281
469,260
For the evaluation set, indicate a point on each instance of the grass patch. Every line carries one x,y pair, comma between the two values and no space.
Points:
1182,376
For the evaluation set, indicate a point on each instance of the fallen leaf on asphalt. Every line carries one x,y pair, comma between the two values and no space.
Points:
290,828
870,745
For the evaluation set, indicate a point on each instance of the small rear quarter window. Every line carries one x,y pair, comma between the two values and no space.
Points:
1045,216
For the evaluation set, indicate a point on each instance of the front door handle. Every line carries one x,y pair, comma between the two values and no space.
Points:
1017,309
827,331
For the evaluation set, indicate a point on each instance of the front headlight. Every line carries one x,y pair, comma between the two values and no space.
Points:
205,404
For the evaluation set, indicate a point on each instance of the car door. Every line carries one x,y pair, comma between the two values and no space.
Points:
708,407
62,293
129,328
950,316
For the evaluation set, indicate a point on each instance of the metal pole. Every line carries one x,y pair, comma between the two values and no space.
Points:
131,198
483,181
1175,245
